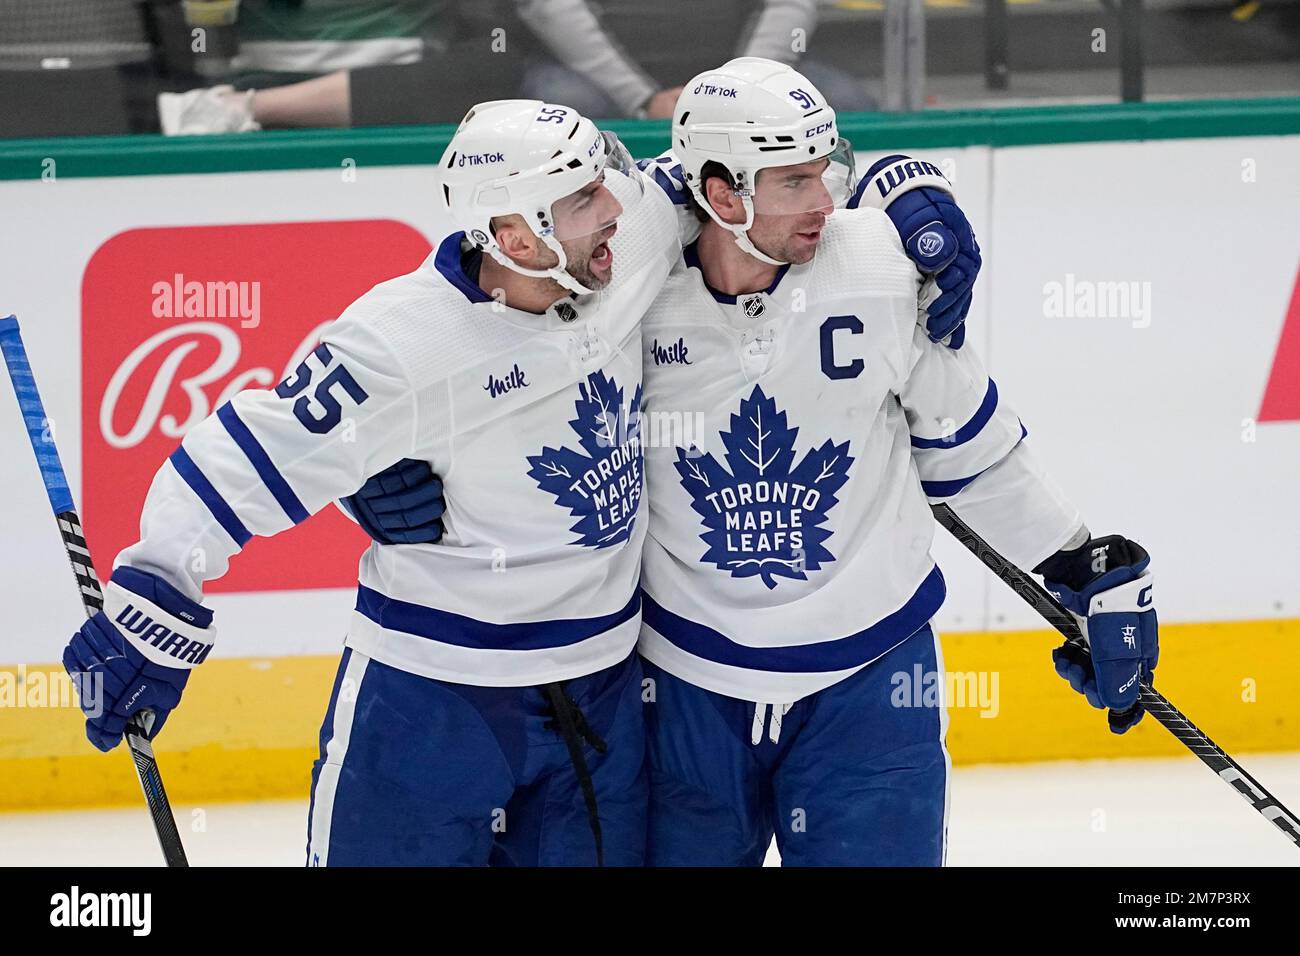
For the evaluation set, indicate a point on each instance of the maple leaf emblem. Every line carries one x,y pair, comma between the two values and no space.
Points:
762,513
601,484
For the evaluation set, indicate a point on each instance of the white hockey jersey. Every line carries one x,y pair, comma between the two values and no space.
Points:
793,437
531,421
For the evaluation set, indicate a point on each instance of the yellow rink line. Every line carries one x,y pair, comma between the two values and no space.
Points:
248,728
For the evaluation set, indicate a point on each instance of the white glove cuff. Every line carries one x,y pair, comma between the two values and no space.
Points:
900,177
161,637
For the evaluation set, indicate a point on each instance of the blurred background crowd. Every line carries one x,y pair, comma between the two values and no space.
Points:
70,67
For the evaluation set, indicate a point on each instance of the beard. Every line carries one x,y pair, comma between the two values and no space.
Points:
778,237
578,254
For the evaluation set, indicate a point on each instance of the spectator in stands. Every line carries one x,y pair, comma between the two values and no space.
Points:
333,63
590,69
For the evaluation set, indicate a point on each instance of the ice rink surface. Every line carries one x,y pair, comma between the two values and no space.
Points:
1088,813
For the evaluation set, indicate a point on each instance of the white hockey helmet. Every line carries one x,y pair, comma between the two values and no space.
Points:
524,156
752,114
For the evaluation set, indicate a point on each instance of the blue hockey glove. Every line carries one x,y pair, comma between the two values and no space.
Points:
400,505
136,654
1106,584
935,234
667,173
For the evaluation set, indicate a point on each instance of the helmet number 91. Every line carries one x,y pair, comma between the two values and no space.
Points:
803,99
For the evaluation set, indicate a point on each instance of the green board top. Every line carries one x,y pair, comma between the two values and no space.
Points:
423,145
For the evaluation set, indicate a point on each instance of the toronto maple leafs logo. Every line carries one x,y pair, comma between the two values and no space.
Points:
763,513
601,484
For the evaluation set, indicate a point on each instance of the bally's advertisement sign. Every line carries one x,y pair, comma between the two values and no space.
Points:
174,321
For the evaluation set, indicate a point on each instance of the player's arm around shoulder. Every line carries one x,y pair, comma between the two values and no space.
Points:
665,183
936,235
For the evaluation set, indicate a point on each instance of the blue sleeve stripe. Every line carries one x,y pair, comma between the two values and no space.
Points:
261,461
970,429
946,489
226,517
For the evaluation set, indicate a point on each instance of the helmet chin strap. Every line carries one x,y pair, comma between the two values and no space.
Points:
740,231
743,240
558,273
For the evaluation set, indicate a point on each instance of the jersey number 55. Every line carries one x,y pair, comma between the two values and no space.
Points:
320,411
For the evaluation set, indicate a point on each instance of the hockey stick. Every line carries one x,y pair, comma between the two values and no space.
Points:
1211,754
92,598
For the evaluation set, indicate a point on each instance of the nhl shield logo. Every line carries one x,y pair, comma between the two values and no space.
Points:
754,306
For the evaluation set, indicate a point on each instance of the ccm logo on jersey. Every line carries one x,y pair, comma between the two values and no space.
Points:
134,621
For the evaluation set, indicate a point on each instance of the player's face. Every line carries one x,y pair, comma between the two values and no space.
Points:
585,221
791,204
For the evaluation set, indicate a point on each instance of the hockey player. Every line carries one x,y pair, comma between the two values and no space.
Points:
487,704
940,241
788,579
